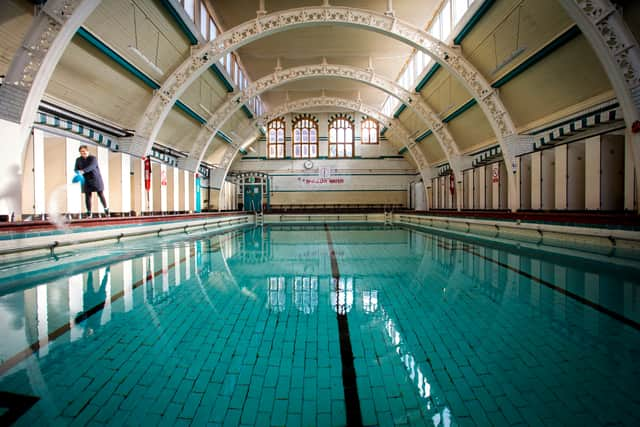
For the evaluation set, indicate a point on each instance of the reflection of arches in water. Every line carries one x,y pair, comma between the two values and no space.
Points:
305,293
341,296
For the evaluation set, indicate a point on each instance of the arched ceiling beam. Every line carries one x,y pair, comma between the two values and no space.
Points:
394,127
265,25
618,51
366,76
28,76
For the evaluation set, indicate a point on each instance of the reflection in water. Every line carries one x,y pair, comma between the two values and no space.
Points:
277,294
370,300
434,403
455,283
342,294
305,293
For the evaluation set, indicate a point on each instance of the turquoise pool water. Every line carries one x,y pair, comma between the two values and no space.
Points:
324,325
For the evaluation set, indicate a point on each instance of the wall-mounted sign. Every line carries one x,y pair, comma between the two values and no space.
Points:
324,172
313,181
495,172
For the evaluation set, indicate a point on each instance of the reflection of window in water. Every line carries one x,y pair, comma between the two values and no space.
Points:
342,294
305,293
277,294
370,301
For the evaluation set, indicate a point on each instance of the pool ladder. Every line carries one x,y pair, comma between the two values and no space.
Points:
259,218
388,218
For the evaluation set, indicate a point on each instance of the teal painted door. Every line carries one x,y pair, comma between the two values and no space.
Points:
252,198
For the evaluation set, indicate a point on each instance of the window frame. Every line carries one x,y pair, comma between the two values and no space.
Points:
309,124
367,130
277,143
334,137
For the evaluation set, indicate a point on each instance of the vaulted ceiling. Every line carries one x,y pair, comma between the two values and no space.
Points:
530,50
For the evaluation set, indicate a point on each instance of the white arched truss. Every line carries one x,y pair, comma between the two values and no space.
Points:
367,76
27,78
32,66
619,52
394,127
268,24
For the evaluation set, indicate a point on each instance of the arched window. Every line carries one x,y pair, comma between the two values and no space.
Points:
305,137
369,131
340,136
275,139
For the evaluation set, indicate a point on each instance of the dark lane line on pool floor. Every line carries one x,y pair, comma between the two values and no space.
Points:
349,384
606,311
52,336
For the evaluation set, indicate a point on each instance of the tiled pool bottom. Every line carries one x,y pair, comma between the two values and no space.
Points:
266,327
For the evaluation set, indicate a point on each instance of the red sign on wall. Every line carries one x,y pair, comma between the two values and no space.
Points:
495,172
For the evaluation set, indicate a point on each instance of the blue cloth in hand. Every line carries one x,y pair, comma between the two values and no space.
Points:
78,178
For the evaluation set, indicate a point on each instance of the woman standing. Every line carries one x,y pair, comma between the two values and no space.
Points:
87,166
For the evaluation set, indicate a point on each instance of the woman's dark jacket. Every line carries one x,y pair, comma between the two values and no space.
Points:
92,177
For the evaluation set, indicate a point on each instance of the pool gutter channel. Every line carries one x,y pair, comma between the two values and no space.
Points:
14,247
618,244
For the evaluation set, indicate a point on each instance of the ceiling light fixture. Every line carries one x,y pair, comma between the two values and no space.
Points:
206,110
146,60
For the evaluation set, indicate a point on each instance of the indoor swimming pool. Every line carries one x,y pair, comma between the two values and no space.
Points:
321,325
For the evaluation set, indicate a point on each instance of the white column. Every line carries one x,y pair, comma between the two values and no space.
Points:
592,173
468,189
575,175
536,184
561,176
148,196
176,188
488,187
524,175
138,196
495,185
119,182
630,201
38,172
503,197
163,187
11,169
547,179
188,187
481,187
125,182
173,189
156,206
102,154
419,196
75,197
612,172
